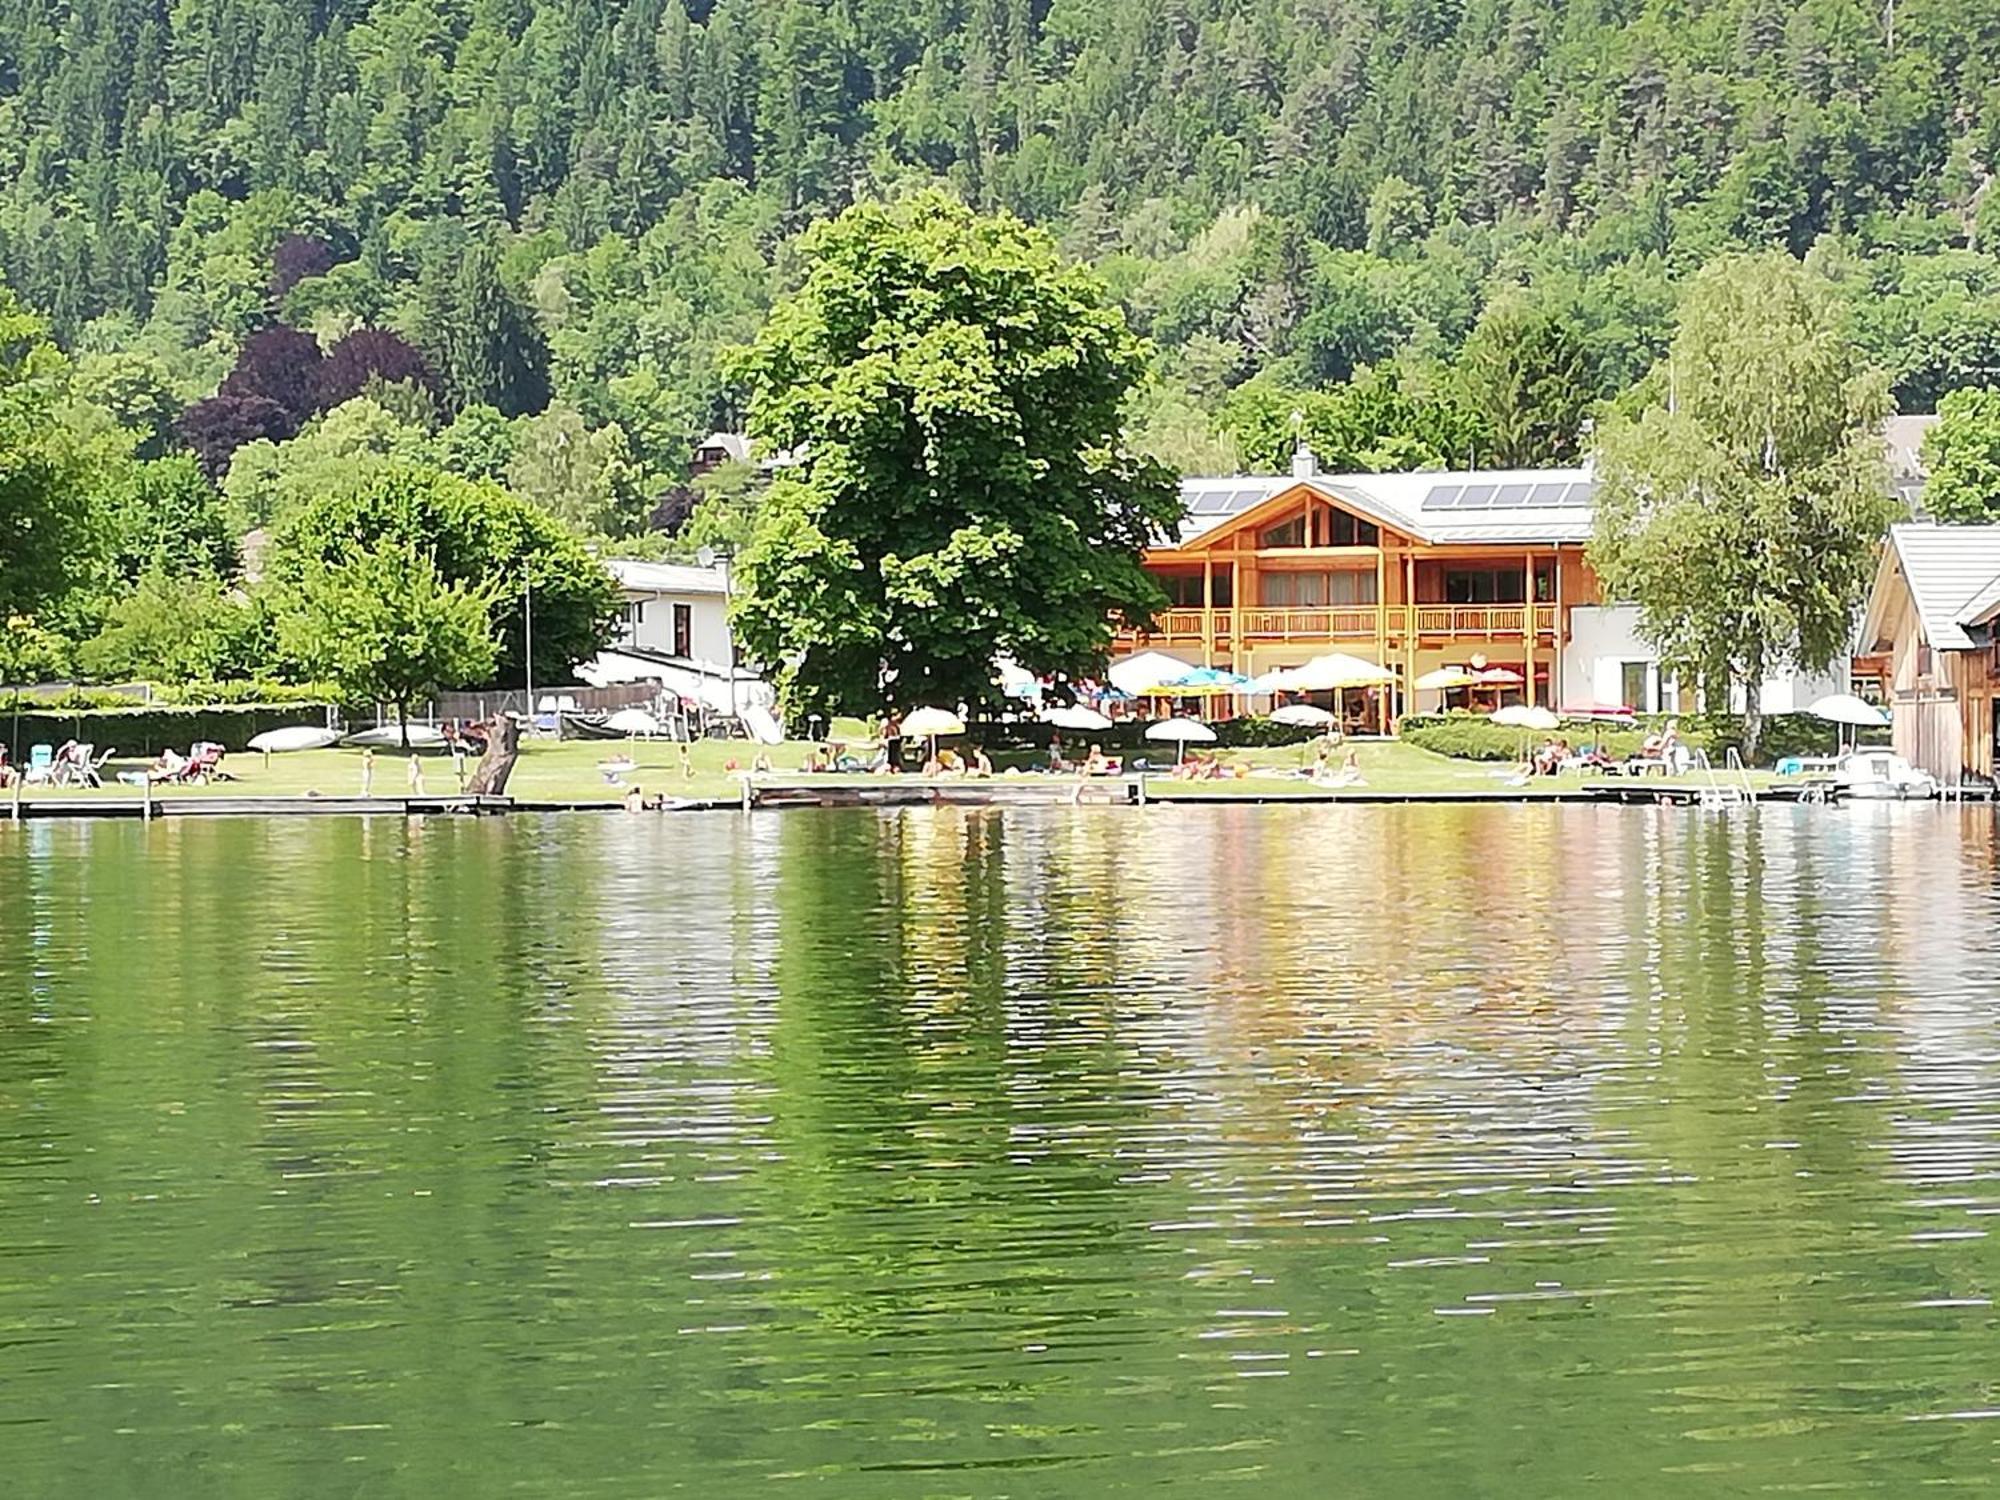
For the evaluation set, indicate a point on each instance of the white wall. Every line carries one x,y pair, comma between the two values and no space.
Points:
1603,638
708,630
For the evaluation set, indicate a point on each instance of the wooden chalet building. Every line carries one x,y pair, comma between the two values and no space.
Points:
1412,571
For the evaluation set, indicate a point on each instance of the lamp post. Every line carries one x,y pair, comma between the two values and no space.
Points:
712,557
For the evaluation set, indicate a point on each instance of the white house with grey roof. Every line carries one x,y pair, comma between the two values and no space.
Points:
674,630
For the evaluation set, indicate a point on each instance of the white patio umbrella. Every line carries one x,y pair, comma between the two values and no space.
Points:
1524,716
1446,677
929,723
1303,716
1845,711
1075,716
1337,670
1845,708
1139,675
1181,733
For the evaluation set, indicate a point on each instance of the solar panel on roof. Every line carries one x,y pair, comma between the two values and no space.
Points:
1513,494
1443,497
1212,503
1476,497
1547,494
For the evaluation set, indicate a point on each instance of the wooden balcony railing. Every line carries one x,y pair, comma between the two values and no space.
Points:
1452,621
1308,624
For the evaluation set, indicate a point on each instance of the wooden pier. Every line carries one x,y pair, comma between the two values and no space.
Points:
222,805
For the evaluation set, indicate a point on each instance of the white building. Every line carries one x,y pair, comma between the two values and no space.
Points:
1606,661
675,631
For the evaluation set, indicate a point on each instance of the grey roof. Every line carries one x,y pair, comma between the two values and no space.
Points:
1538,506
1983,606
664,578
1947,569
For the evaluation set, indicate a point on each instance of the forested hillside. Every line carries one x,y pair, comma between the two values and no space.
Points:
542,218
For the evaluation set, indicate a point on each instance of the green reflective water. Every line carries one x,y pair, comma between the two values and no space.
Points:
1344,1151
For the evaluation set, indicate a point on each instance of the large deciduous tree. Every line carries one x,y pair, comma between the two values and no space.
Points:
1742,509
51,534
1963,454
383,624
477,534
952,390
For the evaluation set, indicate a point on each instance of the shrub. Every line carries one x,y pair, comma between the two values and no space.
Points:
1466,736
146,730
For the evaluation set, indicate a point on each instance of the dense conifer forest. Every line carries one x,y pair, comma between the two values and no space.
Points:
507,238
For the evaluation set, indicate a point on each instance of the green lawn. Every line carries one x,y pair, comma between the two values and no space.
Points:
568,772
547,770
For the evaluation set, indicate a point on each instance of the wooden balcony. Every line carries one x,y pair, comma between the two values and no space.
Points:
1456,622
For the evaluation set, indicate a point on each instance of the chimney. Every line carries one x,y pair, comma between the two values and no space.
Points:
1304,465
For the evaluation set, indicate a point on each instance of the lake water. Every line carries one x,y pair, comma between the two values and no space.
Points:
1434,1151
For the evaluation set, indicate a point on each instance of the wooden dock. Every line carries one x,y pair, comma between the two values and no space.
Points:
223,805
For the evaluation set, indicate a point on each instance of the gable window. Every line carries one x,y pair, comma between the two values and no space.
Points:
1321,528
1343,588
1290,533
1352,531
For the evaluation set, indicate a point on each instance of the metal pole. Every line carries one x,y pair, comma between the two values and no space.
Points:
528,651
729,636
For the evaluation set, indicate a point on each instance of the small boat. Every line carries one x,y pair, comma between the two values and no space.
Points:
1882,775
294,737
390,737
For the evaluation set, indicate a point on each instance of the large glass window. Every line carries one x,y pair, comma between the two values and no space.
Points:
1339,589
1290,533
1501,585
1184,589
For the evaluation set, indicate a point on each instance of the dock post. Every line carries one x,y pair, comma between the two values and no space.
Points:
17,796
147,804
746,794
1142,788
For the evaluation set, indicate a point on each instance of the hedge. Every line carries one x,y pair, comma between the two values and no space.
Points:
147,731
1473,737
1129,735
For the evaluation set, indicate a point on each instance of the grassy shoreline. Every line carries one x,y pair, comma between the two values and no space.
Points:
549,771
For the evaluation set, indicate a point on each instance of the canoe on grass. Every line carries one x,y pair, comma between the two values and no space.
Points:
389,737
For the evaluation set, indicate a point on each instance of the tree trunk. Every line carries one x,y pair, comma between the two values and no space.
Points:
403,721
1753,719
503,748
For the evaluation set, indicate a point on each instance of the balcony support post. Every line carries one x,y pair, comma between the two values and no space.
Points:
1207,610
1528,634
